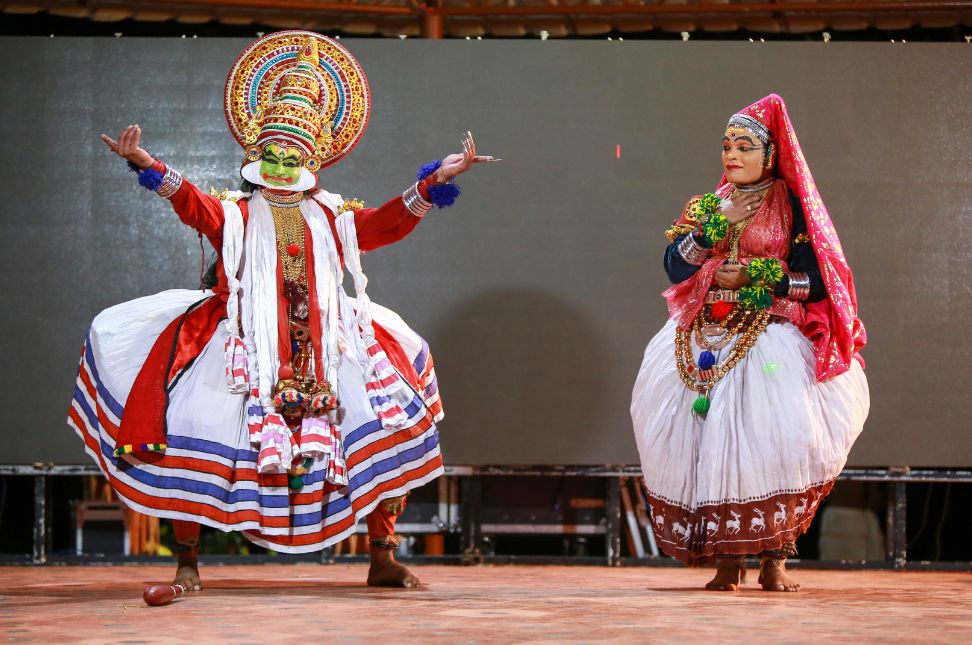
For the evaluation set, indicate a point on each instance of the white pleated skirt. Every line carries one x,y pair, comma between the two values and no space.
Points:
209,473
747,476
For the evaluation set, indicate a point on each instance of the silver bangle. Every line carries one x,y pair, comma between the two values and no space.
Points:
171,182
414,201
693,252
799,287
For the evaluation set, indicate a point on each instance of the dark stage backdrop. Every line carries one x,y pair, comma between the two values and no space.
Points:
540,289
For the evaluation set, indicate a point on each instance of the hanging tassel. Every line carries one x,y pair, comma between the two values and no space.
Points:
385,388
321,439
234,354
337,469
701,405
721,310
254,417
321,399
287,395
295,479
276,445
316,437
706,360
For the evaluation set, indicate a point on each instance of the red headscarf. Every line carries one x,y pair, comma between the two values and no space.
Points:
831,324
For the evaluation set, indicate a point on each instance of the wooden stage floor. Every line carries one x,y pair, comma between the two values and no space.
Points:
304,603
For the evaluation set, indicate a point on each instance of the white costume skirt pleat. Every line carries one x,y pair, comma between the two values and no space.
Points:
747,476
208,471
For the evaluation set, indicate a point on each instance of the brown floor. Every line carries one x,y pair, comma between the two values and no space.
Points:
292,604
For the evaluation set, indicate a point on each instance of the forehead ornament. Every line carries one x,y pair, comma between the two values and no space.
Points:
750,124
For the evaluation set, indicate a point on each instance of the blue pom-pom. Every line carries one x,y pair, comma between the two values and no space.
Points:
150,179
706,360
444,195
427,170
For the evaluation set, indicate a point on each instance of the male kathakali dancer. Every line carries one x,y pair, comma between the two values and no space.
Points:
750,397
274,403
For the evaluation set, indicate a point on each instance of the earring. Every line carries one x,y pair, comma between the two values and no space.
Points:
770,149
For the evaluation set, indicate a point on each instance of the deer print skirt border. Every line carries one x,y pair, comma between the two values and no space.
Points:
734,529
749,475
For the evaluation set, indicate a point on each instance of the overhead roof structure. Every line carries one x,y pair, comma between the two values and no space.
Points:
523,18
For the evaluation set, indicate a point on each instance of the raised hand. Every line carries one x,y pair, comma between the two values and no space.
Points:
461,162
127,146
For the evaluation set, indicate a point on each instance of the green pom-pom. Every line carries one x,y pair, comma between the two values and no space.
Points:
767,271
716,228
296,482
755,297
709,204
701,405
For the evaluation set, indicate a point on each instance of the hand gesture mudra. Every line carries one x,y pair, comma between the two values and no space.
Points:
732,276
456,164
127,146
742,207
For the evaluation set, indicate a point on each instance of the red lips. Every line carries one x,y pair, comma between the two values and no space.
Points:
285,180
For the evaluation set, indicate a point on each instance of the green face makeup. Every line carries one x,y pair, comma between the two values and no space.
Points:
281,166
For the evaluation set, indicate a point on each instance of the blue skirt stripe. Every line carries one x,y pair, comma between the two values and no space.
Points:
103,392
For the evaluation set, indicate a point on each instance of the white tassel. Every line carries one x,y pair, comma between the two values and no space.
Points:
235,357
237,370
387,390
277,452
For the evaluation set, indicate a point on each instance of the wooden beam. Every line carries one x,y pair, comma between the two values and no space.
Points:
714,9
294,5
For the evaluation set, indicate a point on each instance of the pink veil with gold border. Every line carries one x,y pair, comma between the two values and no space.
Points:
831,324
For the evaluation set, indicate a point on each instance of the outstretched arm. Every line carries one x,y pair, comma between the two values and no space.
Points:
195,208
377,227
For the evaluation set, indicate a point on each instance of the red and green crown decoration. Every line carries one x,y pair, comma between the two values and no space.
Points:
297,89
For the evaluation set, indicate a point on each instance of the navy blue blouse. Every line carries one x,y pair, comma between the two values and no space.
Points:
802,260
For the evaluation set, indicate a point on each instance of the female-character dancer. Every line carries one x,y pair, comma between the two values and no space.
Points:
751,396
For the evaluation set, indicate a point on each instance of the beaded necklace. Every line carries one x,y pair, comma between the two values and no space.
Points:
724,337
702,378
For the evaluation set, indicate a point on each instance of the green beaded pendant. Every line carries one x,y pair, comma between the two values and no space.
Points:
701,405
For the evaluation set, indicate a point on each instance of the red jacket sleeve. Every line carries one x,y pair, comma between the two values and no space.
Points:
389,223
195,208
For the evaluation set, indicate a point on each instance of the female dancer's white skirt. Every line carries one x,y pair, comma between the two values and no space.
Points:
749,475
208,473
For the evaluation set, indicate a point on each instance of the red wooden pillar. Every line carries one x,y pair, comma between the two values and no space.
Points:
433,25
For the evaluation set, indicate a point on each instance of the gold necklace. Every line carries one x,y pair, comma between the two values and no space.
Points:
724,339
735,234
288,225
736,230
702,381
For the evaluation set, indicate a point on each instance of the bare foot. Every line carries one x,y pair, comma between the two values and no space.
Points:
773,577
730,574
187,574
386,572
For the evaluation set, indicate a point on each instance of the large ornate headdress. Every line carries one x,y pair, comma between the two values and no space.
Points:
832,324
297,89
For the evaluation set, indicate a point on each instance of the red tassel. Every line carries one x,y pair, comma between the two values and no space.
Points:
721,309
